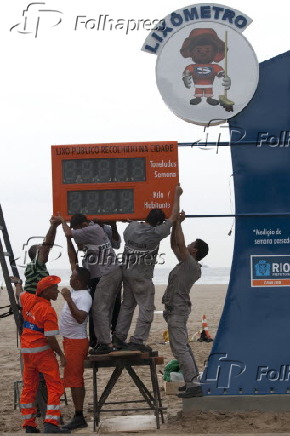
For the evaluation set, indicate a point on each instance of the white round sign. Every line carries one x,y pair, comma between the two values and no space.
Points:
207,73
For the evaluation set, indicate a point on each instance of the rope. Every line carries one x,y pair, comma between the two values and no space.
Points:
245,215
10,311
199,144
5,314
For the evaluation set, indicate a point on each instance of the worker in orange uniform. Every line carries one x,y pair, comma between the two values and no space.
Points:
38,348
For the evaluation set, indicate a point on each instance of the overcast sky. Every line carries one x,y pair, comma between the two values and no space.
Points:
82,86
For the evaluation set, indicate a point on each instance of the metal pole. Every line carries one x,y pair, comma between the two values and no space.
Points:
198,143
244,215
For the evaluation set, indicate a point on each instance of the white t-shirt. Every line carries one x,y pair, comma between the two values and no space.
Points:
69,327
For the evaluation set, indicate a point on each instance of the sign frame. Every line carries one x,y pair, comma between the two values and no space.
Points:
156,191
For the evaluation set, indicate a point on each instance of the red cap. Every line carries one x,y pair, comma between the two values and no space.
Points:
46,282
195,35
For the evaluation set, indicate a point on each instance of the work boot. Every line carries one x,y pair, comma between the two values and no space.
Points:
102,349
93,343
49,428
118,343
182,388
212,101
195,100
29,429
134,346
78,421
193,391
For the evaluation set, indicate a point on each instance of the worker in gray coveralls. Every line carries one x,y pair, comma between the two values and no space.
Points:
101,261
141,248
178,306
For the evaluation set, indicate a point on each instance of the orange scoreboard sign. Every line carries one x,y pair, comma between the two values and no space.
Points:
114,181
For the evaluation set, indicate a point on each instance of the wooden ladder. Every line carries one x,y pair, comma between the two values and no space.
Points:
3,255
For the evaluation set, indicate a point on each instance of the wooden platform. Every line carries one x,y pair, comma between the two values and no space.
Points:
120,355
120,360
114,355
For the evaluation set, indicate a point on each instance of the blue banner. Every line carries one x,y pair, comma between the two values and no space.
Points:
250,354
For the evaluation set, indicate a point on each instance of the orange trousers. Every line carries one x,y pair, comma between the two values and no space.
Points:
75,350
46,363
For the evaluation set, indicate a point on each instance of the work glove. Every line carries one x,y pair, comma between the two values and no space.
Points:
186,77
226,82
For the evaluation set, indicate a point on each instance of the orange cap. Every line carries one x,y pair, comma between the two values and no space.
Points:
195,35
46,282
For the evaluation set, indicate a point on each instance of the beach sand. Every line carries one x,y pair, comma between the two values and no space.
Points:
206,299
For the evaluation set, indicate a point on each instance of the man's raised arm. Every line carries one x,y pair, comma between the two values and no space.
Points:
66,228
177,239
72,254
48,242
175,208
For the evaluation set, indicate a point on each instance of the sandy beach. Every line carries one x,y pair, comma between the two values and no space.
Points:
206,299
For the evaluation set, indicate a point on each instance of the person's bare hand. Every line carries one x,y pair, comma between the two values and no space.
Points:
178,190
55,219
181,216
65,292
15,280
60,217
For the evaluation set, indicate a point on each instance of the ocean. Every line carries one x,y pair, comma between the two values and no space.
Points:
210,275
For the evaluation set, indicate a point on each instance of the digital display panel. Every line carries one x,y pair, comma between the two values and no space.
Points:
75,171
104,202
115,181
